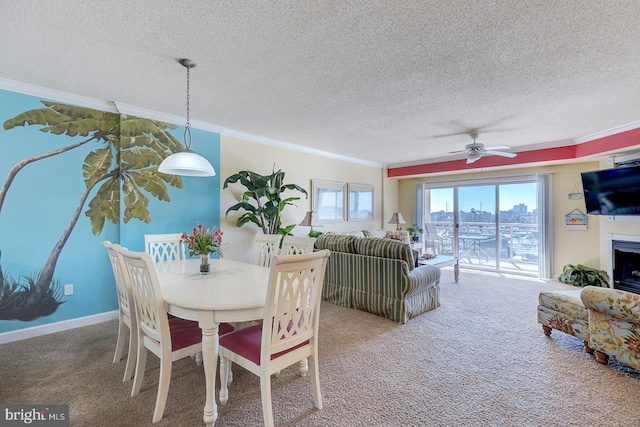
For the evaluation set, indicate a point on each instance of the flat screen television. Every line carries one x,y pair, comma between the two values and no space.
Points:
612,191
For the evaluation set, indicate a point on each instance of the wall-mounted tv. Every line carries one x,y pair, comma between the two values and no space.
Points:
612,191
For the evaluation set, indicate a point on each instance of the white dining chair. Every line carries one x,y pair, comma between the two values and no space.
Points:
292,245
167,247
289,329
168,337
126,311
164,247
265,247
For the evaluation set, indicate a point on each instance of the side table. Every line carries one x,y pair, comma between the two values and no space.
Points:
443,261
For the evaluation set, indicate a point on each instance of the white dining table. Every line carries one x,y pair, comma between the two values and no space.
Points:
232,292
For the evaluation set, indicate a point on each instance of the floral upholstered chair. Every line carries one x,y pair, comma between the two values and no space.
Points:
614,324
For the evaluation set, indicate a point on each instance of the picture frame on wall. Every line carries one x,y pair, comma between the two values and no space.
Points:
360,202
328,200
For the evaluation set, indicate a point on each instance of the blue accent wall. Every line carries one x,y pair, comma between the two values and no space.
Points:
44,196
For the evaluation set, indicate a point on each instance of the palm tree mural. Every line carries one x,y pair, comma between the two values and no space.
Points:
131,148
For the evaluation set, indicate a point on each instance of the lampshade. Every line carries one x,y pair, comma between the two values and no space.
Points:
311,219
187,162
396,218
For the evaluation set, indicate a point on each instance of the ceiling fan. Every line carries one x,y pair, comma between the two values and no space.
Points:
476,150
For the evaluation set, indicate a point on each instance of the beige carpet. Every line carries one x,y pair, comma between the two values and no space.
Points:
480,359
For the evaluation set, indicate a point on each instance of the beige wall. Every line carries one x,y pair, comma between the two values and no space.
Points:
300,168
569,247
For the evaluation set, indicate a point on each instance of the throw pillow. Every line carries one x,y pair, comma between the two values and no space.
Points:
400,235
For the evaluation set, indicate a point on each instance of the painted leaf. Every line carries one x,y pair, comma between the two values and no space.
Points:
139,158
105,206
132,126
62,119
151,182
96,165
136,203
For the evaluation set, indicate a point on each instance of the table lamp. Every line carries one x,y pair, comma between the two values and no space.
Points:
397,219
311,219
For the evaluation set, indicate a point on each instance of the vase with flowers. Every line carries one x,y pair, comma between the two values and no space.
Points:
203,242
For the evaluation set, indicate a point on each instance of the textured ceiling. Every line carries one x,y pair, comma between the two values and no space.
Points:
383,81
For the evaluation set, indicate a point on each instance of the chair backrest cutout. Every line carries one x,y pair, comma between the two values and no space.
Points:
150,309
164,247
297,245
123,287
265,247
293,301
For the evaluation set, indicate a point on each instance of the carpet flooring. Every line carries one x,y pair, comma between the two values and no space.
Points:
480,359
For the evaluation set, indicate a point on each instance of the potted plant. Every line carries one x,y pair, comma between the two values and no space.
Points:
263,200
414,232
581,275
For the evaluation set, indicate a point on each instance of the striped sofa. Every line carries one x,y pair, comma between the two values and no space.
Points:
379,276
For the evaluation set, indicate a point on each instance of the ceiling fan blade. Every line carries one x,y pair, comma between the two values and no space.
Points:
497,147
458,151
500,153
473,159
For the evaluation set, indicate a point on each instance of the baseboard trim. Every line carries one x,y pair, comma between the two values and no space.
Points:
37,331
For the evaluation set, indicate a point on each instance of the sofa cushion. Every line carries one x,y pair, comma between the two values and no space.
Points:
337,243
375,233
385,248
357,234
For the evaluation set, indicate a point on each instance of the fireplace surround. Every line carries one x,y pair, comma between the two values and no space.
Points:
624,263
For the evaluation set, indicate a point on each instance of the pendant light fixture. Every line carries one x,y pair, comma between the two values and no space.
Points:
186,162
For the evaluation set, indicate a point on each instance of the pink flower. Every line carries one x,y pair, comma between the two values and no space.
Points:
202,242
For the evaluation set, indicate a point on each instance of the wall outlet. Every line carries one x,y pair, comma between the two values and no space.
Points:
68,289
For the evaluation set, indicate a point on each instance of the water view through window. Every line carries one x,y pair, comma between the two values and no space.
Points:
488,226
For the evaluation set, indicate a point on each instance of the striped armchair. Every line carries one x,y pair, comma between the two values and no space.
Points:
379,276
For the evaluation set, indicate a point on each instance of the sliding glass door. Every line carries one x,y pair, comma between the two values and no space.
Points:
489,225
477,224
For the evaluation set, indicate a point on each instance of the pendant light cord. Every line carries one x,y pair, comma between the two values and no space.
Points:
187,126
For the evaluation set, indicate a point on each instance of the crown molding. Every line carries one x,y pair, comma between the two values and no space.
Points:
277,143
57,95
165,117
608,132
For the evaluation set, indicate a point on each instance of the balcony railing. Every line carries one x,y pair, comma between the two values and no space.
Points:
517,248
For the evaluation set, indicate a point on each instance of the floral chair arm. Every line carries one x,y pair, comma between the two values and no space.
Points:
612,302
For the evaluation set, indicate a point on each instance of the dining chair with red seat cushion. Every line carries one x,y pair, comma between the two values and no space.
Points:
289,329
169,338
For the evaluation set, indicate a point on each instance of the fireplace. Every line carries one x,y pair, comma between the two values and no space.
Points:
625,263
